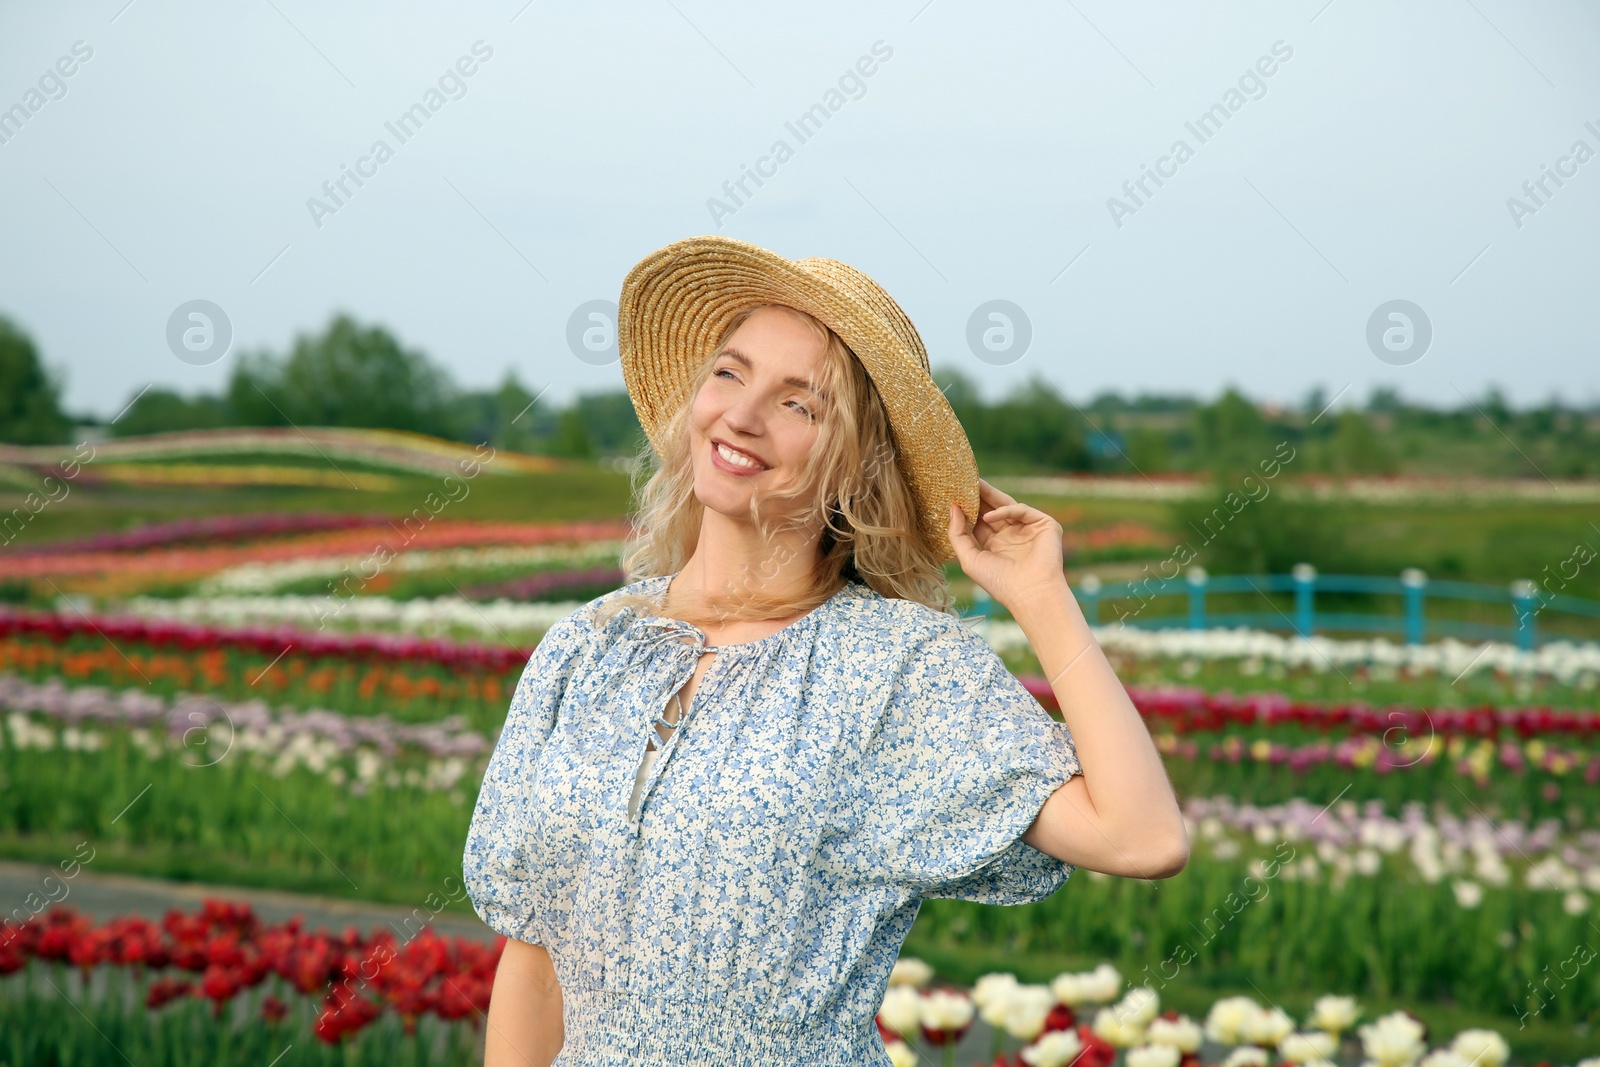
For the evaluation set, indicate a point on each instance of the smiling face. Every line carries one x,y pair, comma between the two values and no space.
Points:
756,419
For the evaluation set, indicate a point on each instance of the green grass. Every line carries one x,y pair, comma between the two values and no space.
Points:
231,823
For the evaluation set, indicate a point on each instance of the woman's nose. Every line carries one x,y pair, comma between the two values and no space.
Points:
743,415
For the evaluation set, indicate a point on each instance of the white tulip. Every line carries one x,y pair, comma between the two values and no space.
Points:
901,1010
1246,1056
992,995
1103,983
1058,1048
1395,1040
1308,1046
900,1054
1140,1005
944,1010
1026,1009
1098,986
991,986
1152,1056
908,970
1267,1027
1112,1027
1225,1021
1182,1033
1334,1014
1483,1048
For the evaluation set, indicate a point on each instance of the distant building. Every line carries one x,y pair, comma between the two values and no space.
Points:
1101,443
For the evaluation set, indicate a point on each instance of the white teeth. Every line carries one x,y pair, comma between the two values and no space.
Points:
736,458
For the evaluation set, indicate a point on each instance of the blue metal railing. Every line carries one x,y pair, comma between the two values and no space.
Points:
1414,589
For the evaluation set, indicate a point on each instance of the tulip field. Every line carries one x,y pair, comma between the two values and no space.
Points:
1395,849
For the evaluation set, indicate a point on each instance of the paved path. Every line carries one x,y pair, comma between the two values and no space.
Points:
102,896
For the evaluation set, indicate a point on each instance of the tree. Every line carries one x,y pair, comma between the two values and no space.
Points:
348,376
572,436
1494,406
1230,434
30,404
506,417
1356,449
1036,427
1385,398
163,411
1147,450
1314,403
1249,527
610,422
959,390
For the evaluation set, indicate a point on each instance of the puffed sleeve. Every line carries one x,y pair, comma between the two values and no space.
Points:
963,759
501,847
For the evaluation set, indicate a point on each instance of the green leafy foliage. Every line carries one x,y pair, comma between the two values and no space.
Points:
30,404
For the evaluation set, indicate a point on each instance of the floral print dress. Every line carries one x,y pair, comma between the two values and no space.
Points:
825,780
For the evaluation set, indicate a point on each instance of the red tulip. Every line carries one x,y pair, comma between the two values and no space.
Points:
1097,1051
163,990
1061,1017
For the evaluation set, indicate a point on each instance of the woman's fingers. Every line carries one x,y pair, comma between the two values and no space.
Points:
960,538
989,492
1008,513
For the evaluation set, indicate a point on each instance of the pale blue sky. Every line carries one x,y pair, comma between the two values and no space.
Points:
975,165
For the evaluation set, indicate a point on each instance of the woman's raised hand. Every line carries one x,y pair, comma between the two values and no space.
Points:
1013,552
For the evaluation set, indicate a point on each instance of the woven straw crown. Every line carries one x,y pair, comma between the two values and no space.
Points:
676,302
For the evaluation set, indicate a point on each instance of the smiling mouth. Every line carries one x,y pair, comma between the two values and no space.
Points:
735,458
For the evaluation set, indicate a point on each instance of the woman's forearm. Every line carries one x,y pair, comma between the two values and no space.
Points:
1125,819
525,1026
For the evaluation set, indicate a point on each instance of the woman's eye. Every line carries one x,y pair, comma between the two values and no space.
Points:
724,370
801,408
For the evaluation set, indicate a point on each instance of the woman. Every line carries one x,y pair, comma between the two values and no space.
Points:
723,791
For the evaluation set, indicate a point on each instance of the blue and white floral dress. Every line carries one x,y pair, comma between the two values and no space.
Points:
824,781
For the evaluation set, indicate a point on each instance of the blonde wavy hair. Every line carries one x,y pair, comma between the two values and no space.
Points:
850,488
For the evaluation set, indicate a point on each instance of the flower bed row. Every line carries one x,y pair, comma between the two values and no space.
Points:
407,533
229,950
398,450
1276,894
1190,710
421,680
502,621
361,753
1182,710
1319,669
1079,1020
223,956
206,529
260,578
59,628
361,750
1571,663
540,586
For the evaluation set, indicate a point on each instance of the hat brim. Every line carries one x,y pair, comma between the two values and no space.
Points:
676,302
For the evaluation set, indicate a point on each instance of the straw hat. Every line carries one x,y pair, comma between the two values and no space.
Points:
676,302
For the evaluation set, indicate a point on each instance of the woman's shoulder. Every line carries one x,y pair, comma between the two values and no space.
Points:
895,622
863,602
